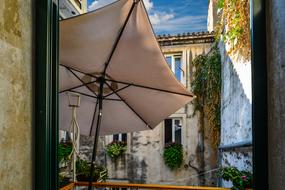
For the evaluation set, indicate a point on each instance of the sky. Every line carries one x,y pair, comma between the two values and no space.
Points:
171,16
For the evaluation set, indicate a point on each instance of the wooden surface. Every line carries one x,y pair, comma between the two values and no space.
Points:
139,186
68,187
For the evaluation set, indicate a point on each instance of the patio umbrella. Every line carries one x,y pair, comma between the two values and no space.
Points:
112,59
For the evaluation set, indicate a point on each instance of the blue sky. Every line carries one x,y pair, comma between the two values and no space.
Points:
171,16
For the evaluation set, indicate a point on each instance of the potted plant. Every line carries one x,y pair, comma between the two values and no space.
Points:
100,173
241,179
173,155
116,148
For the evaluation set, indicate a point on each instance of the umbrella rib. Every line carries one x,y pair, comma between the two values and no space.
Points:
88,95
81,85
118,38
82,81
129,106
150,88
127,83
117,90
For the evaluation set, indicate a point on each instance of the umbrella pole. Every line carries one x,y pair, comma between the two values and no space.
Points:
99,117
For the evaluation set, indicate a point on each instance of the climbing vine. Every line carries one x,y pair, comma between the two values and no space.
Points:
206,85
234,25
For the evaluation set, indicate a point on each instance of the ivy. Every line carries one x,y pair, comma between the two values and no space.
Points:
206,85
234,25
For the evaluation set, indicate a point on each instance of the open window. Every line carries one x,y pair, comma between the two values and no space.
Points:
172,130
47,103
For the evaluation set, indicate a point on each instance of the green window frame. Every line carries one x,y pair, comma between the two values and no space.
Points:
46,94
45,116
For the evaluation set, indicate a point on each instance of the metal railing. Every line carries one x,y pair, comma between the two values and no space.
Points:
111,185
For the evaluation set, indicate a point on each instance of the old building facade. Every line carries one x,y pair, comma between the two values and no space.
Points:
143,161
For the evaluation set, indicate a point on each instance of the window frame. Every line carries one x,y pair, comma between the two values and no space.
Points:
173,140
173,57
120,137
46,102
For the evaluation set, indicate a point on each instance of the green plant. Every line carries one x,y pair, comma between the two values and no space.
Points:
100,173
234,25
173,155
116,148
206,85
64,150
240,179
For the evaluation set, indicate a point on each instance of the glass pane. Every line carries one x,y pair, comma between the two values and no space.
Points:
178,68
177,127
169,61
168,131
116,137
124,137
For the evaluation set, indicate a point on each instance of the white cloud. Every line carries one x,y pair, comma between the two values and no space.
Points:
148,4
99,3
160,17
181,24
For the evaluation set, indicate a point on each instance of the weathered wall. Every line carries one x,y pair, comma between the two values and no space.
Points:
276,93
236,100
236,122
143,162
15,95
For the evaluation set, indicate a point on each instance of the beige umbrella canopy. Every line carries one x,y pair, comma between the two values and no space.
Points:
111,58
116,45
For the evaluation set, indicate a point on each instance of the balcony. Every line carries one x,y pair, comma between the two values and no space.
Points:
111,185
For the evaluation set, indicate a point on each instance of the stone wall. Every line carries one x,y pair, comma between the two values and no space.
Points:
15,94
143,162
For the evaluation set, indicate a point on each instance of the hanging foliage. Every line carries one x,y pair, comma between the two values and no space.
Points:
64,151
234,25
116,148
206,85
173,155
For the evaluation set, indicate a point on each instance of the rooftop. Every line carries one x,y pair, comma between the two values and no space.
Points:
186,38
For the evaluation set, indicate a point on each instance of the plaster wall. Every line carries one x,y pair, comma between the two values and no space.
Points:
276,93
16,94
143,162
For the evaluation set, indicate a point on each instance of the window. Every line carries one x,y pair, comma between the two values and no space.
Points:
172,130
120,137
174,62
